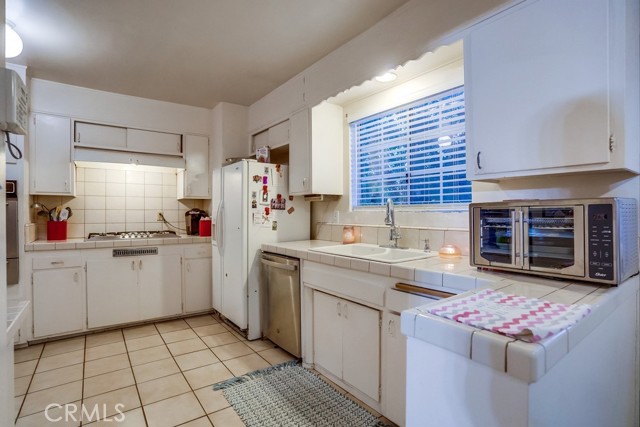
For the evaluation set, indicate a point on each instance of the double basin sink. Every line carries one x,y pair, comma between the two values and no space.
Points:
375,252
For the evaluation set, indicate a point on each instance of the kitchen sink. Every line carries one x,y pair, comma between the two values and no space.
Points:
375,252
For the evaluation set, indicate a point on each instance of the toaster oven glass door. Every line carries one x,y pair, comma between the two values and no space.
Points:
498,243
554,239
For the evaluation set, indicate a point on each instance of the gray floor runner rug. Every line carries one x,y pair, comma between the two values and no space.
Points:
290,395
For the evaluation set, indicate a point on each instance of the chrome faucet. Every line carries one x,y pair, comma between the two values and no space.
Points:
390,220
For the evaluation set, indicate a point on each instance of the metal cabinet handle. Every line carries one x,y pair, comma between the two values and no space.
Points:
389,329
75,277
346,311
133,265
140,265
339,309
478,160
188,267
57,262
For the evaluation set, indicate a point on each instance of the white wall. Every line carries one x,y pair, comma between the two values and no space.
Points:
116,109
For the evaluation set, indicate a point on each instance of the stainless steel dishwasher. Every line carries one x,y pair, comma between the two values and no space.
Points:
281,301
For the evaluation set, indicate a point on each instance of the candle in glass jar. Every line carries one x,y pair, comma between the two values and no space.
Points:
348,235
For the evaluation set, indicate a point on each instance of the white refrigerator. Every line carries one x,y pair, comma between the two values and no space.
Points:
254,208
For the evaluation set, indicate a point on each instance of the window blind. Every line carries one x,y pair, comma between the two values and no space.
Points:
414,154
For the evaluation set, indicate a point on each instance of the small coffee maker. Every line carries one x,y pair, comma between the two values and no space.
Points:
192,219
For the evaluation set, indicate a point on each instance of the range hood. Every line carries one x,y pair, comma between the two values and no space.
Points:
87,154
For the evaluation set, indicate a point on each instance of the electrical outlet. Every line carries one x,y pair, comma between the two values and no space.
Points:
159,217
336,217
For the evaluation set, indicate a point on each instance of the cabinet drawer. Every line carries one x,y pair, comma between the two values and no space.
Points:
198,251
398,300
62,261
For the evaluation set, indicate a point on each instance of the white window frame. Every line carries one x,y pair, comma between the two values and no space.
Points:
445,123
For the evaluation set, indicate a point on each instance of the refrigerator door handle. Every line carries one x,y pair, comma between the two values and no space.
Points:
219,227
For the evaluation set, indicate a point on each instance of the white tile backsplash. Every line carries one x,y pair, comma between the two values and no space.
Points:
94,202
115,189
134,177
154,203
153,178
135,190
94,175
94,189
152,190
115,176
112,198
116,203
134,202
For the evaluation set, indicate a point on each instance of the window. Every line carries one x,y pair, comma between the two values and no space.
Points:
413,154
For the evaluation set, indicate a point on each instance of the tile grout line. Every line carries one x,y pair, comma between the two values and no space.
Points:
135,381
185,378
26,393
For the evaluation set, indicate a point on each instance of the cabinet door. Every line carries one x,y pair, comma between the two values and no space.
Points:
197,284
361,348
327,332
196,174
278,135
112,291
160,285
537,81
147,141
300,152
93,135
395,369
58,301
51,168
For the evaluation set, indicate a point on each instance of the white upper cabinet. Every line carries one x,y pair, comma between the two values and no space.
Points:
50,167
550,87
194,181
93,135
315,151
274,137
146,141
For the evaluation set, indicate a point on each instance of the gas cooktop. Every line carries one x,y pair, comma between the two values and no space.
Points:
158,234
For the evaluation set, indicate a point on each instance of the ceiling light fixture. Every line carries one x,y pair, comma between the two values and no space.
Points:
387,77
12,41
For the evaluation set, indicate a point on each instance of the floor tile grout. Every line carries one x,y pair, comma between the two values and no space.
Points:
122,338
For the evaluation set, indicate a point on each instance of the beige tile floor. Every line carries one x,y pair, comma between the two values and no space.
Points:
161,375
155,375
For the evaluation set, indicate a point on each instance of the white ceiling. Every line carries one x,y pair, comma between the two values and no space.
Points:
194,52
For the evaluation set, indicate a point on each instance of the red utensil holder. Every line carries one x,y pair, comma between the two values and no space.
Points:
56,230
205,227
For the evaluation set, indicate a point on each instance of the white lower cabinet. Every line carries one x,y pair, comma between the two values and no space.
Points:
394,368
159,280
122,290
197,278
58,296
346,342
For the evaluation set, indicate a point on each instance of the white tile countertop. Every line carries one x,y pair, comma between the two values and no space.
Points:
52,245
523,360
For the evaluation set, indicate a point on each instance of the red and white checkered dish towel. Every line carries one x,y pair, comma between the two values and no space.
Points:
527,319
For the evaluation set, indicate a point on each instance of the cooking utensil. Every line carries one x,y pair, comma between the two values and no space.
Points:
69,211
64,215
52,214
